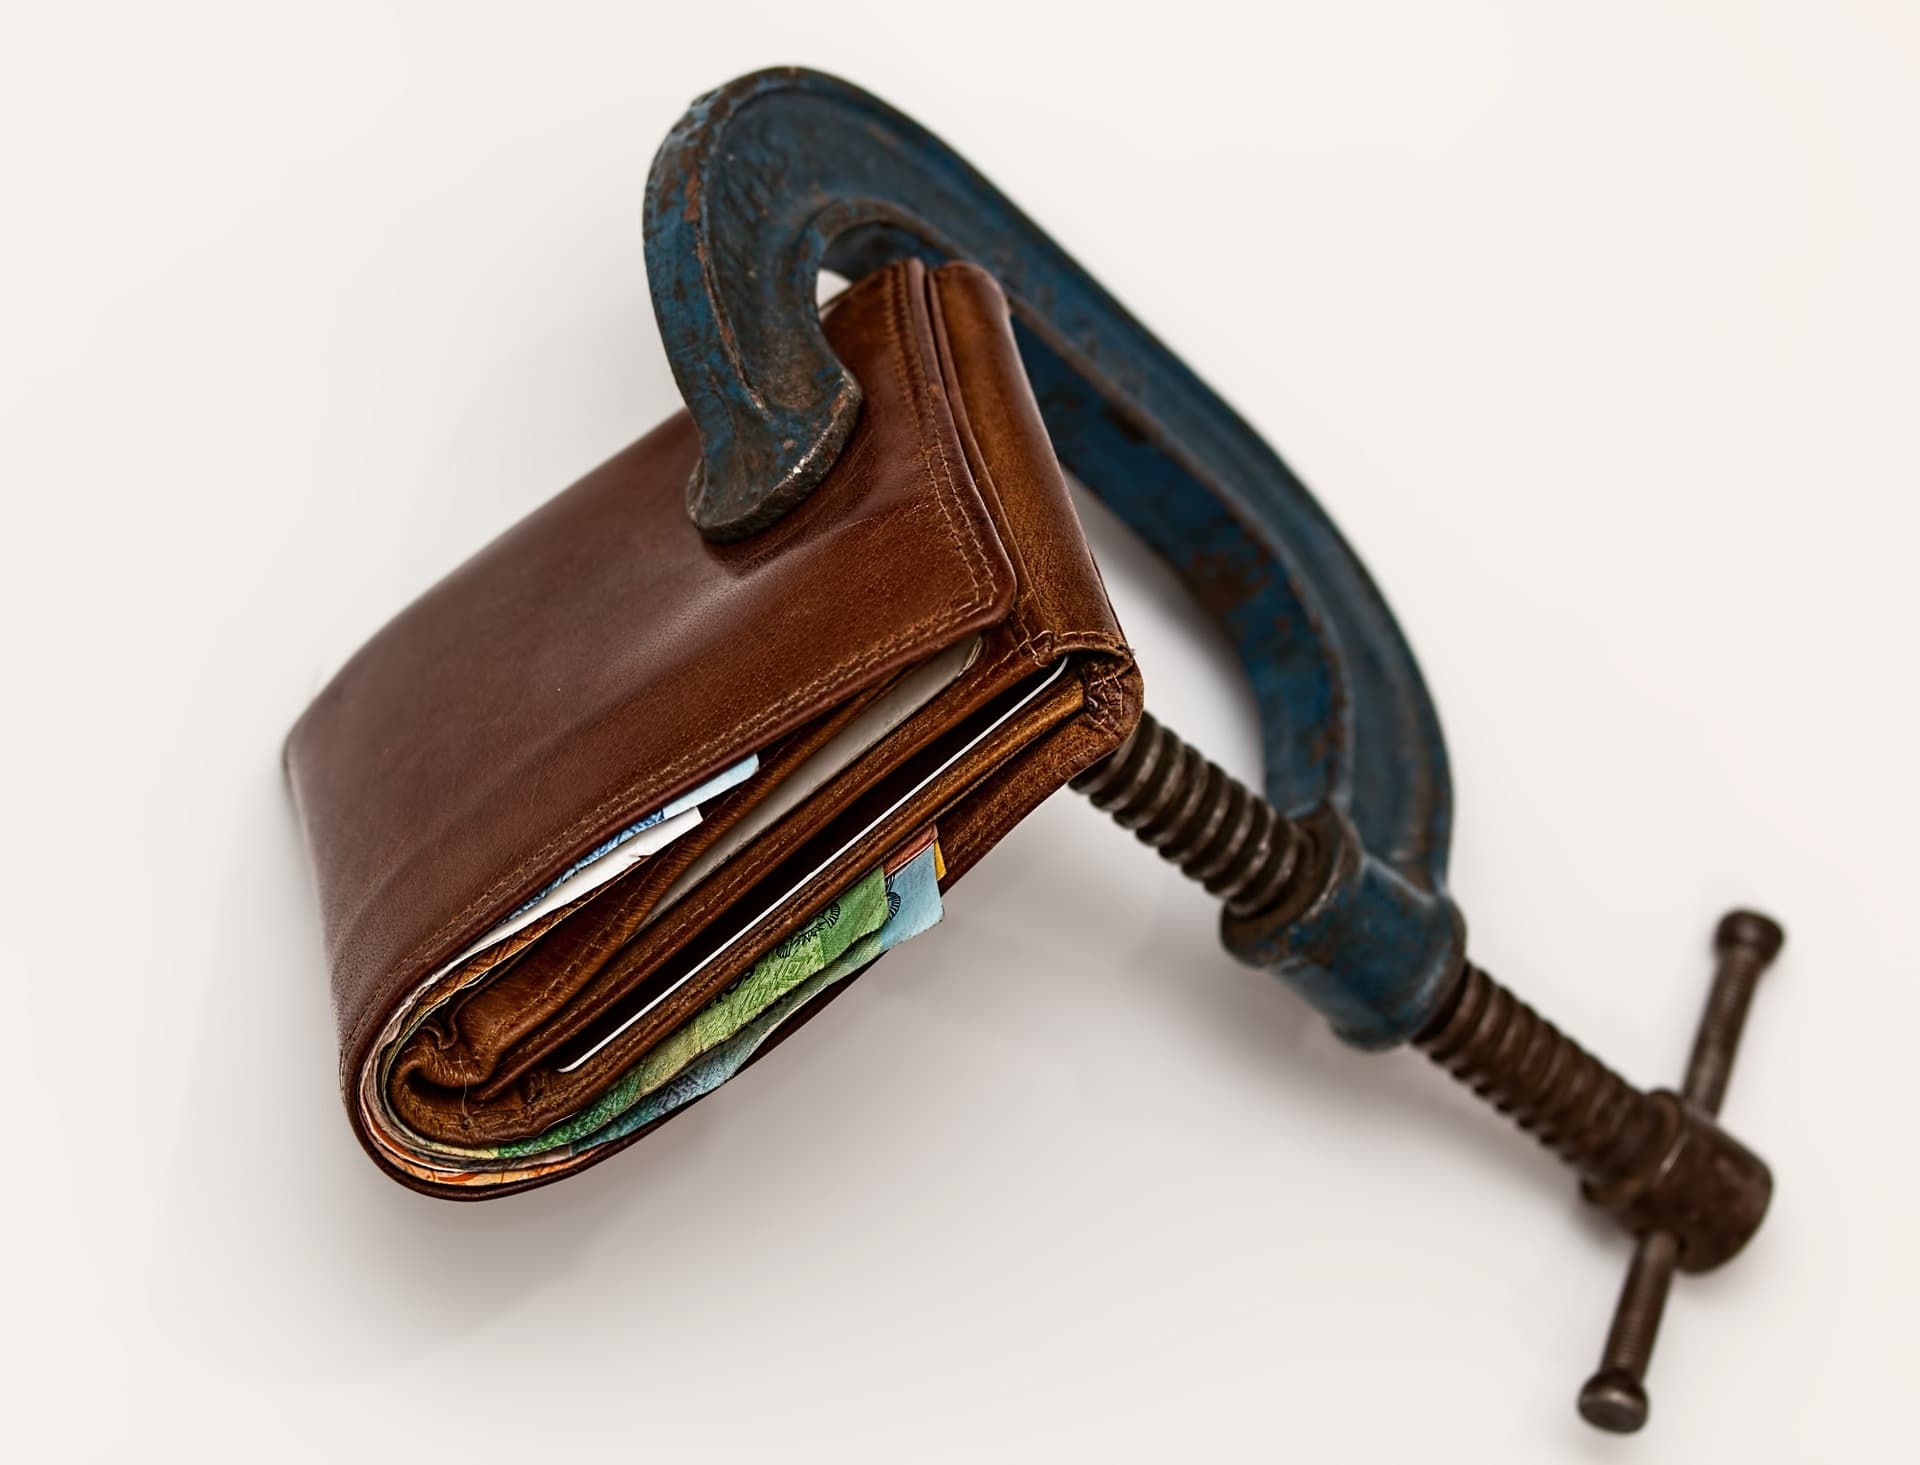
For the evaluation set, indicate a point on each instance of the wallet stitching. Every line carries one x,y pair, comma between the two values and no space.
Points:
1097,685
918,390
981,595
1036,645
1021,622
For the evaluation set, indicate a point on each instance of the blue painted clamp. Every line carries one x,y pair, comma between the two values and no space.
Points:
769,179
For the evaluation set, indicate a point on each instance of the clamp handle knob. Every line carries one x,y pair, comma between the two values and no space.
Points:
1615,1398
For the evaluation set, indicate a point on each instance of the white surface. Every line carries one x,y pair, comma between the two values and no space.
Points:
1595,329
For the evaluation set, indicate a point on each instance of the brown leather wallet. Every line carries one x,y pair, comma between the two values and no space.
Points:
925,640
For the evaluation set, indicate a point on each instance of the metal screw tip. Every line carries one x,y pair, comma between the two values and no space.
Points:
1613,1400
1750,929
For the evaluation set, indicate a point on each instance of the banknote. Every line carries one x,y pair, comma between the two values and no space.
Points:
895,901
817,943
914,897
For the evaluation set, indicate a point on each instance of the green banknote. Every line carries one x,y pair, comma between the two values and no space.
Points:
816,946
913,904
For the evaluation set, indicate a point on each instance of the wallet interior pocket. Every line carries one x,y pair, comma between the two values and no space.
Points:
568,1013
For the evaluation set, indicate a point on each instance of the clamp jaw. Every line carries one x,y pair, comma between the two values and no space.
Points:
1335,880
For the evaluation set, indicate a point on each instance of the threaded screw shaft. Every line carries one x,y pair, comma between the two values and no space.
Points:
1549,1085
1217,830
1222,834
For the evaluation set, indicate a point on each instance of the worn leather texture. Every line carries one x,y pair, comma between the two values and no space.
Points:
601,658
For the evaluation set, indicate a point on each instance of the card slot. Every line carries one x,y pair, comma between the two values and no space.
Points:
716,935
505,1010
707,903
460,1047
865,832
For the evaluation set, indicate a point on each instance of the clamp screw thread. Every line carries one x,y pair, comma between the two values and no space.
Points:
1549,1085
1217,830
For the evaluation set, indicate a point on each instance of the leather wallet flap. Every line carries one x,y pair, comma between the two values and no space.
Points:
600,658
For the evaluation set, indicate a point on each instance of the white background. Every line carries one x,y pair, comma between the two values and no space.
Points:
1594,327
